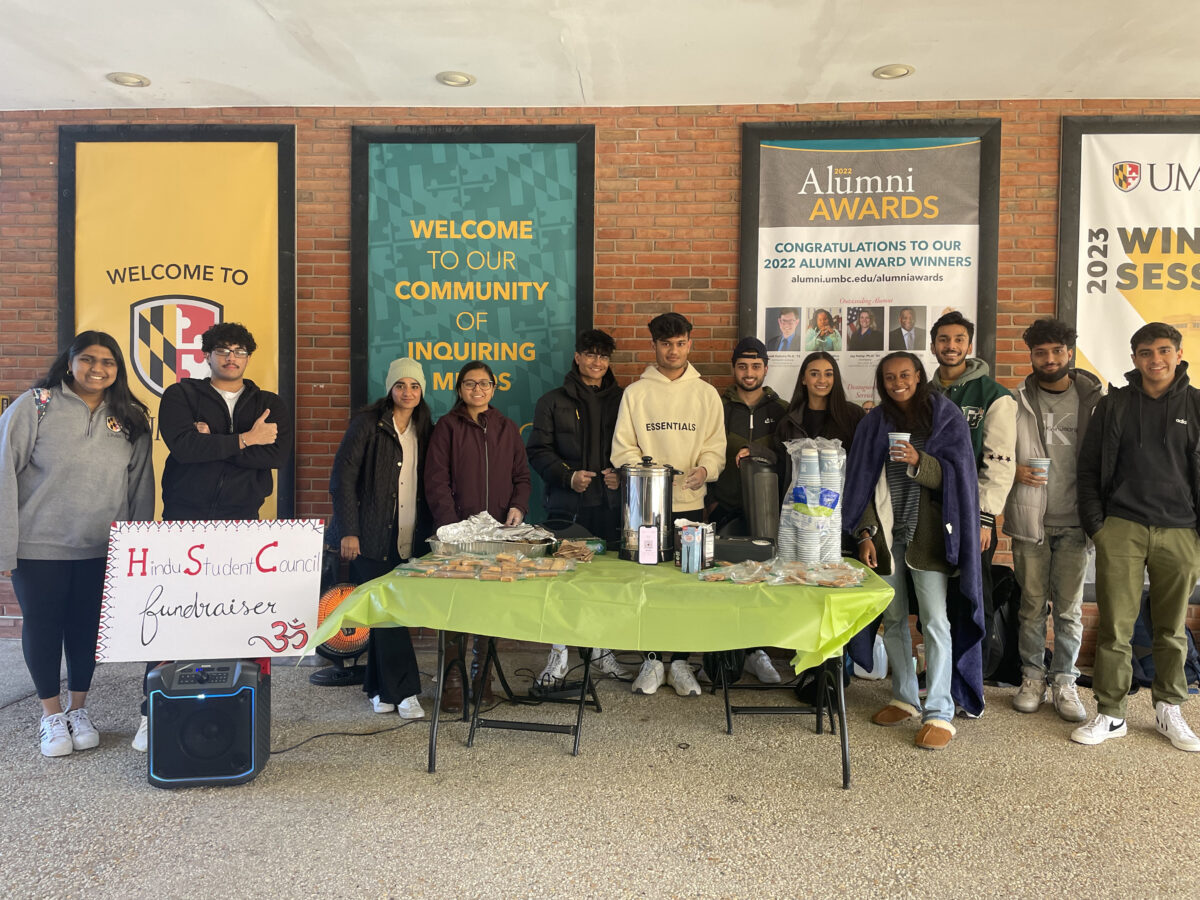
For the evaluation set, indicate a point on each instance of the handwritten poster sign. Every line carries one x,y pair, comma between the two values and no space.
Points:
210,590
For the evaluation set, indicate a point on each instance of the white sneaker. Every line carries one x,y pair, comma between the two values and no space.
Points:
84,735
680,677
380,707
1031,695
1099,730
55,735
1168,719
141,740
410,708
605,662
556,667
650,678
760,666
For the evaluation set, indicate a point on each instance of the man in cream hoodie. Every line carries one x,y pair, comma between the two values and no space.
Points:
676,418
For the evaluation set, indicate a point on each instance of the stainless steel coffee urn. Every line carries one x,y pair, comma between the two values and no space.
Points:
646,513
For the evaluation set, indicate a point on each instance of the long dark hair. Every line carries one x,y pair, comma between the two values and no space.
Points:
920,410
422,416
462,373
838,405
131,412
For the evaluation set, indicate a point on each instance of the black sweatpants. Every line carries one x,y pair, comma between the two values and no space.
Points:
60,609
392,674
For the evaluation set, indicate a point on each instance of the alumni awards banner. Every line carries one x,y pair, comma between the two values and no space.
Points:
1129,236
856,237
167,230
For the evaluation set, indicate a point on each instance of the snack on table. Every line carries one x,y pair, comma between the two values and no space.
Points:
497,567
576,550
748,572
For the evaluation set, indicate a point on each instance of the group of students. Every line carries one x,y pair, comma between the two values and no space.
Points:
1124,472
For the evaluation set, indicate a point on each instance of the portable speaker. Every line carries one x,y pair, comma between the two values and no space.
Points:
209,722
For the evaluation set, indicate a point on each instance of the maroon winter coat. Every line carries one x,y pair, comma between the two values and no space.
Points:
475,465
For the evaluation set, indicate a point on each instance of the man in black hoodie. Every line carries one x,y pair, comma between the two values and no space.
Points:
224,434
569,445
1139,499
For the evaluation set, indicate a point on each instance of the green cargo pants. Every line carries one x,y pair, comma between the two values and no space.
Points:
1124,552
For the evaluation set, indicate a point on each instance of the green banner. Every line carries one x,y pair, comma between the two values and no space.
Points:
472,251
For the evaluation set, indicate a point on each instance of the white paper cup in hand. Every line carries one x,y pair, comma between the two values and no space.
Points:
1040,465
894,438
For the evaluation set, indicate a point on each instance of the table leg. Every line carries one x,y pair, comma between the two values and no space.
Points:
724,677
841,709
583,693
484,675
437,700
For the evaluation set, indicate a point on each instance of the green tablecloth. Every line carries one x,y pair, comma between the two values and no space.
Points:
621,605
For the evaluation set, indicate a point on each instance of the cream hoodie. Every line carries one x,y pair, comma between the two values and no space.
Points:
679,423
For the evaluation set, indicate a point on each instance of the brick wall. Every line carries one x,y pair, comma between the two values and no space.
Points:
666,219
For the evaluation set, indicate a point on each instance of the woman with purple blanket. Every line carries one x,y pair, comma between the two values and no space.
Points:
913,498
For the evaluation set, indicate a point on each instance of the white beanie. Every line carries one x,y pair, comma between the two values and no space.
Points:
405,368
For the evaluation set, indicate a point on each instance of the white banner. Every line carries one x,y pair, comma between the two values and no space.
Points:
1139,242
862,245
210,590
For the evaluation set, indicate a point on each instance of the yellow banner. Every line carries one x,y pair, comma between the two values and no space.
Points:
172,237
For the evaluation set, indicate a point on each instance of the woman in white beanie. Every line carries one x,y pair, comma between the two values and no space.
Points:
380,518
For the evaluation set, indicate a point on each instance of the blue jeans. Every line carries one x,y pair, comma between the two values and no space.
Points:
1051,578
935,625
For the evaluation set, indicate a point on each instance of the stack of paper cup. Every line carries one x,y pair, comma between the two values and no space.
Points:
833,466
811,528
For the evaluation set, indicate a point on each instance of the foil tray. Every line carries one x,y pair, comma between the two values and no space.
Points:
489,548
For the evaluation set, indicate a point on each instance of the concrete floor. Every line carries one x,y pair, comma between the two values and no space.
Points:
661,803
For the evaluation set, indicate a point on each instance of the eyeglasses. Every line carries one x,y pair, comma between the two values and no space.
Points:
478,385
225,353
595,357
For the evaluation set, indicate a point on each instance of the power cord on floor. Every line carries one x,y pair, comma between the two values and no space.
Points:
346,734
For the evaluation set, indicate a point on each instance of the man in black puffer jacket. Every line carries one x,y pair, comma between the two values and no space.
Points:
571,438
569,446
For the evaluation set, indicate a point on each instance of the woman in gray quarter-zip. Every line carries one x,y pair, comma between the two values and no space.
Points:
74,458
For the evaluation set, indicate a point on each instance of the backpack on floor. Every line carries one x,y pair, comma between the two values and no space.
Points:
1002,656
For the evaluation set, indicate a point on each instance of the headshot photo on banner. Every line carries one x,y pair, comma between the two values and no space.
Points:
856,236
1129,243
471,243
167,230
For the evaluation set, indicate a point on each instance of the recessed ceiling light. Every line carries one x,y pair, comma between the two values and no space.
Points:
893,70
128,79
456,79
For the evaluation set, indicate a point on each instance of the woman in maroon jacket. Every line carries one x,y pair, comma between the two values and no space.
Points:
476,457
476,462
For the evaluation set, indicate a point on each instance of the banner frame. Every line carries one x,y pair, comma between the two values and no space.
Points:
361,139
987,130
284,136
1071,171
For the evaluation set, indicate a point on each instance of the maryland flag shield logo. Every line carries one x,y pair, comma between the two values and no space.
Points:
1127,175
166,338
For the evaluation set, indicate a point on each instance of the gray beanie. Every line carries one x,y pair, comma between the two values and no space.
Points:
405,368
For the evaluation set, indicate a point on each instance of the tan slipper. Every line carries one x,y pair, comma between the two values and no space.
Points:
935,735
893,714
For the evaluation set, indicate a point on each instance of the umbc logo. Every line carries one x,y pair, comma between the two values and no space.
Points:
165,338
1127,175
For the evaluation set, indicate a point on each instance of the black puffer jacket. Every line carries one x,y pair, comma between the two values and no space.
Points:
572,430
363,486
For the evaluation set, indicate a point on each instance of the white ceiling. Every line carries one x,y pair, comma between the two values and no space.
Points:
54,54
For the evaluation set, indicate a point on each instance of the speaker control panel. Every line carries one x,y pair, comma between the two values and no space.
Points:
214,675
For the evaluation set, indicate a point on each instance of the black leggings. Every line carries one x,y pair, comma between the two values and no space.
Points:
60,608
